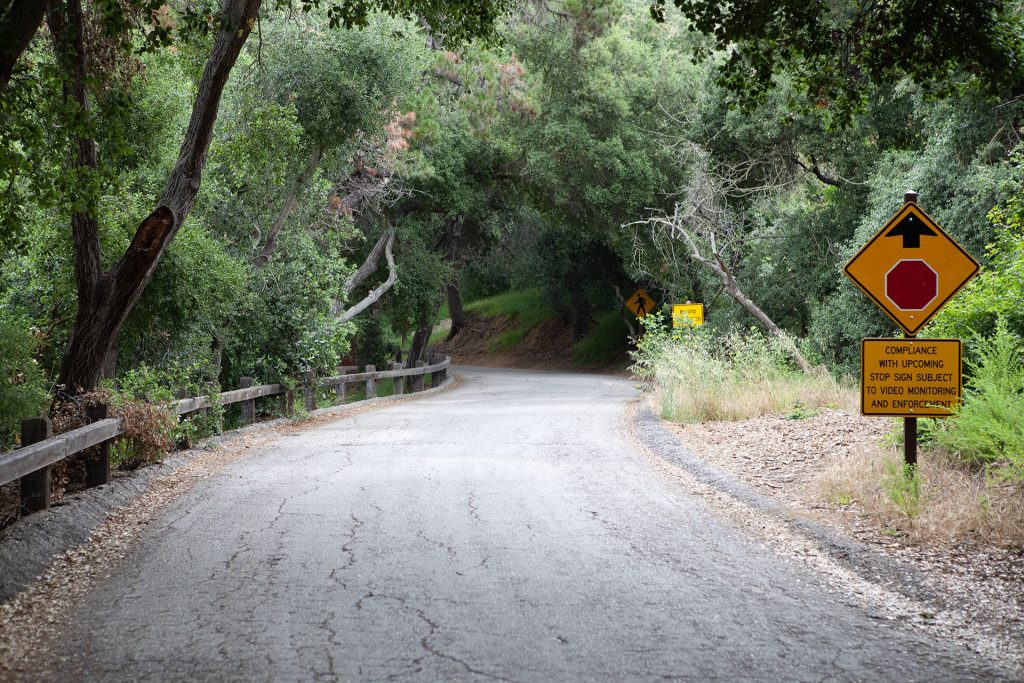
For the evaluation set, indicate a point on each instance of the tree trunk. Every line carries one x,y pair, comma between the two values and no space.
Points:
289,205
367,268
110,362
106,298
732,288
457,313
419,345
377,292
17,27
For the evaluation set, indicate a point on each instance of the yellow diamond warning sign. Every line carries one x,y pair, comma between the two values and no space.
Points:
640,303
910,377
911,268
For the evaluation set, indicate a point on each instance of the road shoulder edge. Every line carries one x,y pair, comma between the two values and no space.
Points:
864,561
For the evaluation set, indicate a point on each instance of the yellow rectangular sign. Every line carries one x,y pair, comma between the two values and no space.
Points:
687,315
910,377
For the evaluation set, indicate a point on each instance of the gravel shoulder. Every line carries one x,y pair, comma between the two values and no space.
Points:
966,591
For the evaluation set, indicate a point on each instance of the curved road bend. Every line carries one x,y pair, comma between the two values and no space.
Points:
505,530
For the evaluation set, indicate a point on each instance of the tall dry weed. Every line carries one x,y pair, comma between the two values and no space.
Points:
956,503
700,378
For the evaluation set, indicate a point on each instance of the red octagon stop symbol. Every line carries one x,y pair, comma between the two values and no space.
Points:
911,284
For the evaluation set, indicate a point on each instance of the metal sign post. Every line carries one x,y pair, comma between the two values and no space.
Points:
910,423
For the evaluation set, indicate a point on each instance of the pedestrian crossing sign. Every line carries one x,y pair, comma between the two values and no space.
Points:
640,303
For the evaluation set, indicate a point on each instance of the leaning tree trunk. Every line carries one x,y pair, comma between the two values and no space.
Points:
456,311
290,202
106,298
732,288
419,345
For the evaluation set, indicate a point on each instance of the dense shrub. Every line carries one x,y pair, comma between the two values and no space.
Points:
988,429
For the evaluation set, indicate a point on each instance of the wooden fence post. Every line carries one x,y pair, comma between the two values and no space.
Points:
399,382
341,390
185,442
35,487
97,459
309,391
417,380
248,407
371,384
288,403
442,374
431,360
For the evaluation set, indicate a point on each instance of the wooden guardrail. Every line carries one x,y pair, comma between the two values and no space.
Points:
40,450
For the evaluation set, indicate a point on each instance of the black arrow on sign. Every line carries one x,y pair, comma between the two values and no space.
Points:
911,231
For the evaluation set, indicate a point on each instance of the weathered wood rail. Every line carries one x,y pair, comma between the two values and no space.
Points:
40,450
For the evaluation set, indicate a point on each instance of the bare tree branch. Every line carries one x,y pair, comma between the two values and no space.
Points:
377,292
815,169
703,214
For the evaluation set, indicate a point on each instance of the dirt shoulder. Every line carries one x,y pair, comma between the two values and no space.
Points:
969,590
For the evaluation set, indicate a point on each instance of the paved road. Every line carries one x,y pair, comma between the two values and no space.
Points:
502,531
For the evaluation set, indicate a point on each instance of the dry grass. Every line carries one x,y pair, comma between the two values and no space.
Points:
693,384
723,398
704,377
956,504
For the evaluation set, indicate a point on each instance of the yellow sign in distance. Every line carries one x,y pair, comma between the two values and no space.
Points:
640,303
687,315
910,377
911,268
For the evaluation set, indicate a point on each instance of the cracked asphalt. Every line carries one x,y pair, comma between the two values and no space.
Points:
506,530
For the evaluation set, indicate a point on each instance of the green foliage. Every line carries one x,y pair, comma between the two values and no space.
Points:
526,308
22,385
605,342
801,412
988,428
371,342
699,376
418,294
459,21
526,305
339,82
996,293
837,51
901,484
289,328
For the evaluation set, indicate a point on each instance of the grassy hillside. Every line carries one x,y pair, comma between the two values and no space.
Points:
521,322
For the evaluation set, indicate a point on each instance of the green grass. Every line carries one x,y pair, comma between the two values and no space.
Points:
438,335
604,343
526,307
